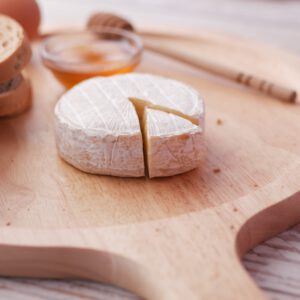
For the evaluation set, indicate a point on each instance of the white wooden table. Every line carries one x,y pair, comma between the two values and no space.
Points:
275,264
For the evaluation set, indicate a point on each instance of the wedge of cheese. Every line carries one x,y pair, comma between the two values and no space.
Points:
15,51
173,145
99,124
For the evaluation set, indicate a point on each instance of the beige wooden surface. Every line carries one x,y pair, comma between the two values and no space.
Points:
266,262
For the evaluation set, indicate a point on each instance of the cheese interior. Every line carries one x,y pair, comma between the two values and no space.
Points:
168,118
172,144
168,95
140,106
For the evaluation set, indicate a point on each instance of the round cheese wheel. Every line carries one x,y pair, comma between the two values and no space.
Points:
15,51
103,126
15,96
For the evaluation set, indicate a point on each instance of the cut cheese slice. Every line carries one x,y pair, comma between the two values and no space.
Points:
99,134
173,145
97,125
15,51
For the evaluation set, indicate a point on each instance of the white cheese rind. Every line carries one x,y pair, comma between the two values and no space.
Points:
98,131
174,145
106,154
98,134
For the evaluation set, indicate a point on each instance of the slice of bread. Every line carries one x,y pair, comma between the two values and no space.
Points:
15,51
15,96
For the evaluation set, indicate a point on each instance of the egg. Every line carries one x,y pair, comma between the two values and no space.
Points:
26,12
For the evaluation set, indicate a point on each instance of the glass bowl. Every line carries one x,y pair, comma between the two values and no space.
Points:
76,56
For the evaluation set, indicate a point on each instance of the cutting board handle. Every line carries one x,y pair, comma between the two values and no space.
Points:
89,264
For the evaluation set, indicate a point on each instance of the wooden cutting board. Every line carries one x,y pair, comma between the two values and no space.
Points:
173,238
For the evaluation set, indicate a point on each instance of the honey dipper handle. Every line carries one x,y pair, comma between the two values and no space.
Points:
275,90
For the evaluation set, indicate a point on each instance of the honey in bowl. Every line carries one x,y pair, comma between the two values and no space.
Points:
76,56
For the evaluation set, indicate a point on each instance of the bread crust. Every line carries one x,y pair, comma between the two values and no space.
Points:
26,12
17,98
15,50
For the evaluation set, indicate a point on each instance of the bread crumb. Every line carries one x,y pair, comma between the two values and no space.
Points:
219,122
217,170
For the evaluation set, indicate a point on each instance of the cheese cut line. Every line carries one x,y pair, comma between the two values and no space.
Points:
102,127
144,108
141,104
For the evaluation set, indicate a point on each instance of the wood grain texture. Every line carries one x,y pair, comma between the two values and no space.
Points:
224,122
275,265
136,233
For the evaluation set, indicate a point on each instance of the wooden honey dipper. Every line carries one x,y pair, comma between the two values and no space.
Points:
105,20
